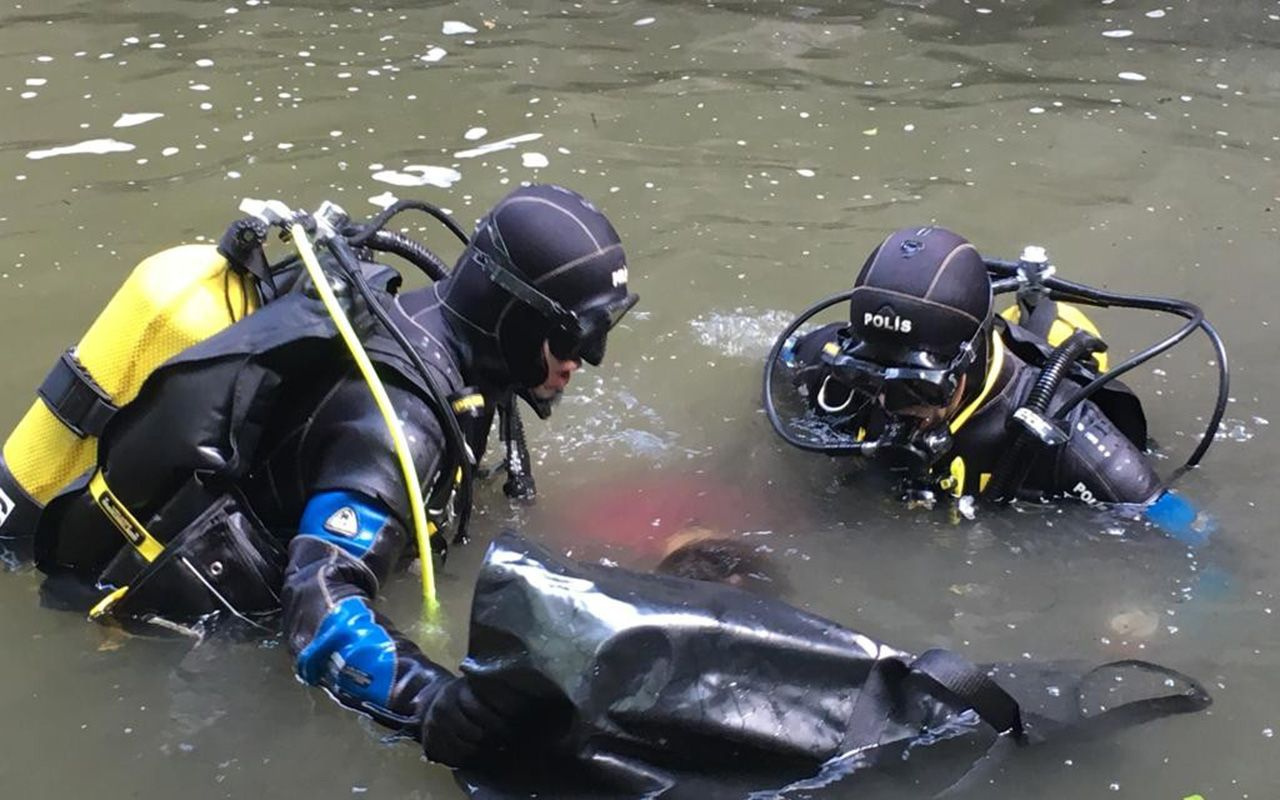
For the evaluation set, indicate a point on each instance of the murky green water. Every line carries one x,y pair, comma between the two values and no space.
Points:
750,154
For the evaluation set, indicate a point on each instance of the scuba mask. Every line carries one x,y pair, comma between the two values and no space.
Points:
583,335
924,382
576,334
906,444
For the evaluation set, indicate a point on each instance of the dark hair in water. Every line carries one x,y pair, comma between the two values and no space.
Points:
729,561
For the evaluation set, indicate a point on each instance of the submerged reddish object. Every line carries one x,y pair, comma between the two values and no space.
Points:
642,514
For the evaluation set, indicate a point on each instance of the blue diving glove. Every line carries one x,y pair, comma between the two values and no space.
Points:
1176,516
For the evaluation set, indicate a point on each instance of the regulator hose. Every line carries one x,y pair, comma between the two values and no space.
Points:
771,410
410,250
383,217
1015,464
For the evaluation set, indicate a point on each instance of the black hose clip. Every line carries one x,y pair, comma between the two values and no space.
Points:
1047,430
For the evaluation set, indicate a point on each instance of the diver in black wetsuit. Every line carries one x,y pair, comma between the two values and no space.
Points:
929,378
263,439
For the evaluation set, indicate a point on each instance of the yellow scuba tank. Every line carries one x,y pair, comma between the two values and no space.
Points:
169,302
1068,319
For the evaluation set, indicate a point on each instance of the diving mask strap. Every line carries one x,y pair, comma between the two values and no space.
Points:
994,367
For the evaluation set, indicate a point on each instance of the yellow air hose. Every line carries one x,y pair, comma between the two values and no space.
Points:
417,505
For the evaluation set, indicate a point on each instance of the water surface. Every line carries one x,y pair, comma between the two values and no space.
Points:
750,153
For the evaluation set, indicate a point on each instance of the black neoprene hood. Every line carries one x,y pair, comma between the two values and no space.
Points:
919,297
556,241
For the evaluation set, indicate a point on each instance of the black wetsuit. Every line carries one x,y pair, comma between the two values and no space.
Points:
1097,464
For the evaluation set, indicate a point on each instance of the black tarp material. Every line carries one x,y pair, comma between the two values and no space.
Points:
659,687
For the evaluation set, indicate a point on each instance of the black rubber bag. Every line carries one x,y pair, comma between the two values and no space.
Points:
660,687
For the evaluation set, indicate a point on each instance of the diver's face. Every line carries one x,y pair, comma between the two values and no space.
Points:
559,373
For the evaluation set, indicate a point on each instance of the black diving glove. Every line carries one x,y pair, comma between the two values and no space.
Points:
468,726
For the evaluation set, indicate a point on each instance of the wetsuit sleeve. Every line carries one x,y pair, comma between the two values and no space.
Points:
351,534
347,447
1098,464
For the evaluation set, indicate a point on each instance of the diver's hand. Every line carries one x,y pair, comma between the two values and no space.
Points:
464,727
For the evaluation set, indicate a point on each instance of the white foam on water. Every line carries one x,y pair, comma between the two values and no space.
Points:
741,333
1156,13
473,134
170,151
36,81
129,120
419,175
640,23
199,87
1131,76
534,160
608,423
1237,430
1035,110
383,200
804,172
434,54
204,62
502,144
1119,33
95,147
453,27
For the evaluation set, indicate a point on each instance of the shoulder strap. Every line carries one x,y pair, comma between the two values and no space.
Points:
1193,697
973,687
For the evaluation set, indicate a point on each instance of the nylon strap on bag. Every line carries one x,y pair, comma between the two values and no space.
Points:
974,687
